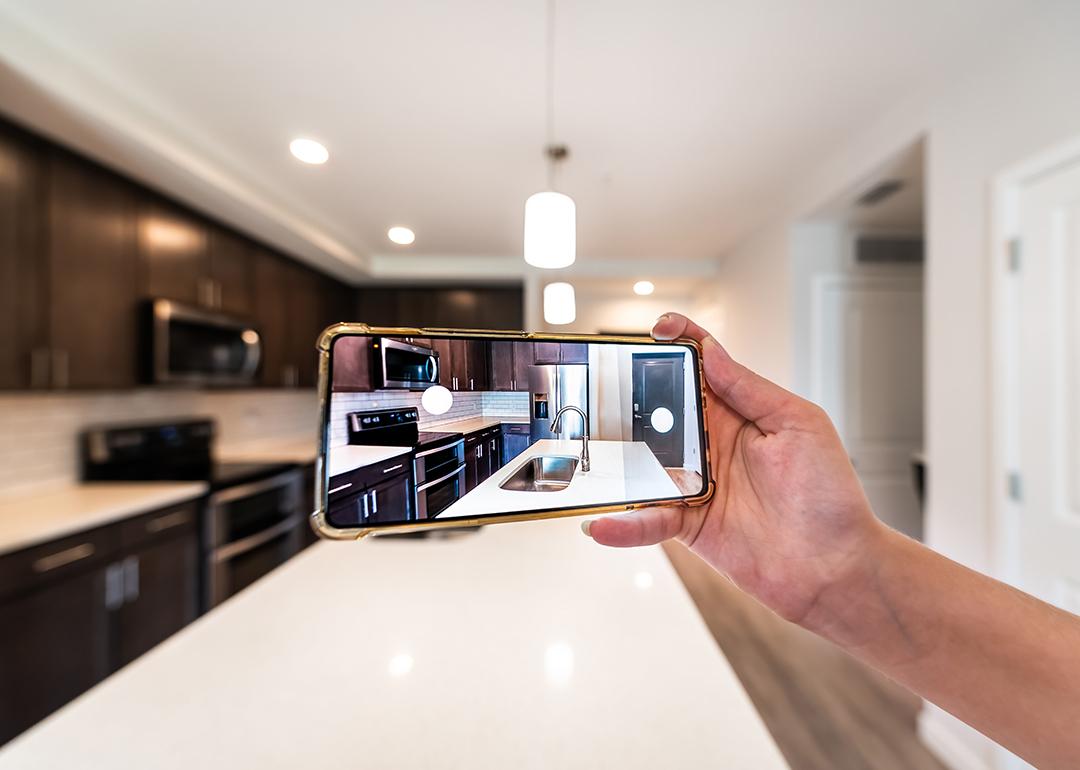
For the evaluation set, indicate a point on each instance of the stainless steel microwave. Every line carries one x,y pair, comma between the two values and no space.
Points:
190,346
403,365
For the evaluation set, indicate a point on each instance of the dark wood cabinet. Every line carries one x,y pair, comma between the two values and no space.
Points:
523,359
477,366
515,440
23,342
271,319
392,498
174,260
473,453
453,307
382,492
502,365
459,364
78,608
352,370
231,273
93,276
546,352
446,373
561,353
305,315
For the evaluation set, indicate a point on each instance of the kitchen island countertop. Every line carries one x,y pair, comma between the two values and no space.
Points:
525,646
622,471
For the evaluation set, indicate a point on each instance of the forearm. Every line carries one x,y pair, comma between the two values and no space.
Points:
998,659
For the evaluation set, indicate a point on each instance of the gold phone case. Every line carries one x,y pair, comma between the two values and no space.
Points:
318,518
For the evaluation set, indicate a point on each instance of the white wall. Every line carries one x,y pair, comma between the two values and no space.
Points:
987,116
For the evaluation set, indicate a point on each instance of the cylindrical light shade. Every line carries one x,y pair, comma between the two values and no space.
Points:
550,230
559,305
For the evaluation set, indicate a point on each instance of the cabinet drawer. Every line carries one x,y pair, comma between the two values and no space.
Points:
29,568
160,525
515,429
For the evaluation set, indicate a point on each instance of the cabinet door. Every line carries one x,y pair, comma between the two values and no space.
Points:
493,452
446,362
160,595
573,353
173,254
352,365
472,460
305,317
478,366
392,498
546,352
231,273
23,353
523,359
513,444
55,645
502,365
92,276
271,318
459,364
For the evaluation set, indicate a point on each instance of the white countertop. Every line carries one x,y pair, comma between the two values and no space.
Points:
524,646
343,459
622,471
33,518
474,424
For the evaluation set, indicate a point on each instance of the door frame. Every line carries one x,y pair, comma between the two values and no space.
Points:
1006,513
634,357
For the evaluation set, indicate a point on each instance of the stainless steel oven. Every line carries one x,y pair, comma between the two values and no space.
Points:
250,530
403,365
440,478
188,345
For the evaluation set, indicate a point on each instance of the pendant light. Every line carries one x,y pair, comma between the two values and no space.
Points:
551,217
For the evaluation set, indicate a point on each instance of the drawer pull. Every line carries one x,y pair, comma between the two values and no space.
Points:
162,523
63,558
342,488
397,467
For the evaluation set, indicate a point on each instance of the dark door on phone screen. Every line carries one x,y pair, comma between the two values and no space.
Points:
658,384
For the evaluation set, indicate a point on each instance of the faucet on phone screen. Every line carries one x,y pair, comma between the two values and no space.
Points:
584,432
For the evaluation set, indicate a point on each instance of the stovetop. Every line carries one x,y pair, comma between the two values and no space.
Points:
429,439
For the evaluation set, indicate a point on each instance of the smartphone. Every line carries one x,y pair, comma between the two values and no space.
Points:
435,428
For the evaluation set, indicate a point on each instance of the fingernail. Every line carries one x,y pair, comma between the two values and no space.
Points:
585,526
664,317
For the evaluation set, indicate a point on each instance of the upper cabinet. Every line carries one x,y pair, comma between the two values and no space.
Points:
561,353
174,254
352,365
510,362
23,347
93,269
475,307
231,273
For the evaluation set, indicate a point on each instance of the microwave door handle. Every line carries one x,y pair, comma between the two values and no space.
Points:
432,369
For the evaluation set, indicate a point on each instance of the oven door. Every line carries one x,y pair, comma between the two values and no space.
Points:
435,463
434,497
239,564
406,366
191,346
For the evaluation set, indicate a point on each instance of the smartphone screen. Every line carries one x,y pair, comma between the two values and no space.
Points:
422,429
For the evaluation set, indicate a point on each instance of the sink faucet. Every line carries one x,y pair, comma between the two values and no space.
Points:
584,432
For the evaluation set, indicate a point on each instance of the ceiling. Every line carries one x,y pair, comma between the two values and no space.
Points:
900,212
687,121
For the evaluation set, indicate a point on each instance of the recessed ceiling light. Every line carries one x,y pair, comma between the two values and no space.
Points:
644,288
309,151
401,235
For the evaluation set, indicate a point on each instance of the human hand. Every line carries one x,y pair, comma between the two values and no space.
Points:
789,519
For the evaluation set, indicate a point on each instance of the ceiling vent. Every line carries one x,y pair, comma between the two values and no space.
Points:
882,250
879,192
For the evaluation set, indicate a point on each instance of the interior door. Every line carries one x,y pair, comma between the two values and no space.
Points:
1042,530
658,385
868,375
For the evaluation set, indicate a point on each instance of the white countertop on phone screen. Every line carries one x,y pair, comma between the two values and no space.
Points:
519,646
343,459
622,471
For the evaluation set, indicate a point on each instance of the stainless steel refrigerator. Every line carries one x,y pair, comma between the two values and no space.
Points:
551,387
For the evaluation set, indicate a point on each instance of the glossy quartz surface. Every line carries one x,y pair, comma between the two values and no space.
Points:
520,646
546,473
38,517
622,471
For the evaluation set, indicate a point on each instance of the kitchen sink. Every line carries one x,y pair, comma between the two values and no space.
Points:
546,473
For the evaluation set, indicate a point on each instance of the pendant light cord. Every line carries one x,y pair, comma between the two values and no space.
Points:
550,75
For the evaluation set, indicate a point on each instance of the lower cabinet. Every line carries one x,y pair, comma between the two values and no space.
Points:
76,609
483,456
382,492
515,440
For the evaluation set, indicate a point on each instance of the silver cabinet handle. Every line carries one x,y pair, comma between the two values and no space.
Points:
374,501
396,467
60,368
131,578
471,384
63,558
342,488
364,513
114,587
39,368
168,521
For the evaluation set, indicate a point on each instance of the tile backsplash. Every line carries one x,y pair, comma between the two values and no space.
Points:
38,431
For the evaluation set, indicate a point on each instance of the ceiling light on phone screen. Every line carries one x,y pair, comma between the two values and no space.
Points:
662,420
559,304
437,400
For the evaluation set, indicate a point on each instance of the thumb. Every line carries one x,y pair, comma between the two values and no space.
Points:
645,527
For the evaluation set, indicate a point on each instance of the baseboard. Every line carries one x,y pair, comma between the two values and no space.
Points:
944,743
